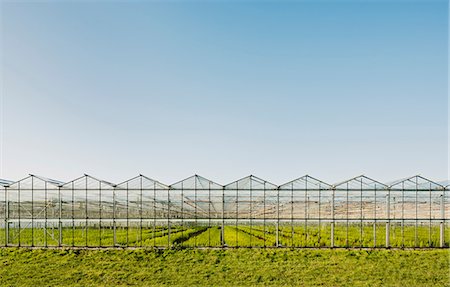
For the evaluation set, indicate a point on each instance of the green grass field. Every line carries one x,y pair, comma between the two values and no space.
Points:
234,236
230,267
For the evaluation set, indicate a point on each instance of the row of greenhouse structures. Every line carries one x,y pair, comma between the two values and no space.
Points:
249,212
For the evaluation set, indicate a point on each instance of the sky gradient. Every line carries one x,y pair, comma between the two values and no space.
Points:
333,89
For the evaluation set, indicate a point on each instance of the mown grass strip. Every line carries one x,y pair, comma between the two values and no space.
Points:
232,267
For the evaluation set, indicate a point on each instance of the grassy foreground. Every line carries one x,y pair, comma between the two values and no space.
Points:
238,267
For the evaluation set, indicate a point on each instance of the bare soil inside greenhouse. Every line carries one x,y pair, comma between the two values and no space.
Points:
231,267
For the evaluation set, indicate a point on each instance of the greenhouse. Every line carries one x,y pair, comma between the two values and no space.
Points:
199,213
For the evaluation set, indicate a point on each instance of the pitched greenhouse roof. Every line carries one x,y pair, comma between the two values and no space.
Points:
251,182
360,182
49,180
196,182
35,182
444,183
305,182
4,182
88,182
416,182
142,182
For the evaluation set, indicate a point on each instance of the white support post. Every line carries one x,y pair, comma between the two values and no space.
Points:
114,218
222,231
60,216
278,218
388,222
442,227
6,217
375,218
168,219
332,217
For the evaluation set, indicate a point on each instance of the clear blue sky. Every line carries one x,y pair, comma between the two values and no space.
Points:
224,89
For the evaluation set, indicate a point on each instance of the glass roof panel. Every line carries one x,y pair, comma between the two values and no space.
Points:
305,182
88,182
34,182
360,182
196,182
4,182
416,182
251,182
142,182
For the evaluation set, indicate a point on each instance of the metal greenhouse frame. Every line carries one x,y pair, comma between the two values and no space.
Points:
199,213
30,212
141,207
360,203
306,209
250,202
414,202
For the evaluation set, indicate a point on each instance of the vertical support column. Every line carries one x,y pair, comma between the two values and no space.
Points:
430,222
195,209
73,213
100,214
306,213
182,206
19,212
237,213
416,226
45,215
59,217
292,214
140,211
209,214
361,214
442,227
6,217
403,213
32,211
114,217
251,214
375,218
278,217
128,217
319,217
222,229
346,219
388,221
86,211
154,214
332,217
264,213
168,217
